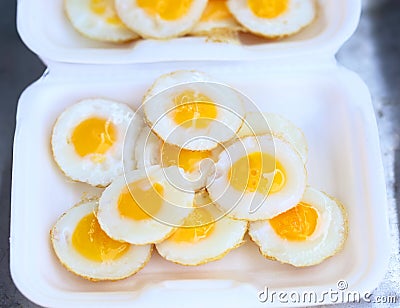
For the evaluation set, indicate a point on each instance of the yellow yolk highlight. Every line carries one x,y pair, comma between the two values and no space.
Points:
188,160
93,136
197,226
94,244
114,20
216,10
141,201
268,8
296,224
194,110
166,9
98,6
259,172
106,9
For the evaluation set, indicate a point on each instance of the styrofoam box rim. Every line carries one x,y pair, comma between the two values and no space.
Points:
54,40
354,174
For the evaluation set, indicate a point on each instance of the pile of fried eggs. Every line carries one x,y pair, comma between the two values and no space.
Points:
222,20
190,173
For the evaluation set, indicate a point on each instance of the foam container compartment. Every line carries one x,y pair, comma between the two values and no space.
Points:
329,103
51,36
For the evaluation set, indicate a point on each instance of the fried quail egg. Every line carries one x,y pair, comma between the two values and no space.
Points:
84,249
144,206
257,178
216,20
88,140
273,18
258,123
205,235
150,151
160,19
98,19
313,230
195,116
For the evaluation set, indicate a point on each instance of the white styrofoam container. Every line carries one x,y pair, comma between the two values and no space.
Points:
44,27
330,104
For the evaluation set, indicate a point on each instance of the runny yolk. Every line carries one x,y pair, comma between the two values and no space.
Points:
216,10
186,159
194,110
257,172
197,226
296,224
166,9
268,8
141,201
93,136
106,9
94,244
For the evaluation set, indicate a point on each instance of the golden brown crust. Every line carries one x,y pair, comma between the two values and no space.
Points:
220,35
206,260
345,221
106,278
222,255
277,37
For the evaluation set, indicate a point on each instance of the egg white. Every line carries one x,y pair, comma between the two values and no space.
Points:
61,239
147,149
299,14
95,26
153,26
86,169
328,238
227,235
261,123
159,106
255,206
177,205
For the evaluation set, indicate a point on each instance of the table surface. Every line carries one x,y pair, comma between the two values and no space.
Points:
373,52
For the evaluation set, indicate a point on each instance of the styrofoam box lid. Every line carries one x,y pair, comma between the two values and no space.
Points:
46,30
333,108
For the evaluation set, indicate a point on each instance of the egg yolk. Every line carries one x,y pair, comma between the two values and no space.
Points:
268,8
259,172
186,159
93,136
197,226
296,224
141,201
94,244
166,9
216,10
193,110
105,8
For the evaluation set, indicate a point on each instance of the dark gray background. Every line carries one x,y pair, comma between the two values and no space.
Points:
373,52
